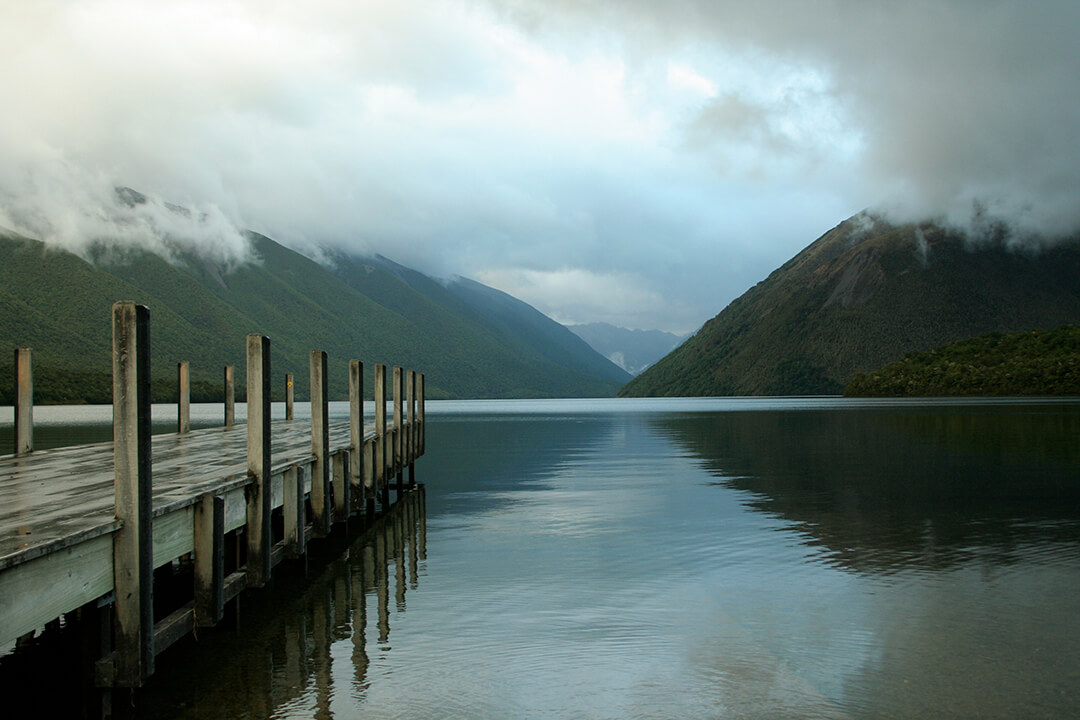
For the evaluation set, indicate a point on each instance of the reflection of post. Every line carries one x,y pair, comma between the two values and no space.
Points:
382,585
24,402
230,396
398,530
360,658
414,564
183,403
421,523
320,631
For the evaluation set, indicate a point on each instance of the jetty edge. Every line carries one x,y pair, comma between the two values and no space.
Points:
87,533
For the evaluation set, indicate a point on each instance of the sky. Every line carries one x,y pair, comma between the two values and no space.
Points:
635,162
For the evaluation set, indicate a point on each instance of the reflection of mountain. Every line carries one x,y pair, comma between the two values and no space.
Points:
475,461
880,489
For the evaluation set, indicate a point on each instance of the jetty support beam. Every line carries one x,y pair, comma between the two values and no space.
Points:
289,396
356,427
320,446
230,396
133,551
24,401
183,403
259,543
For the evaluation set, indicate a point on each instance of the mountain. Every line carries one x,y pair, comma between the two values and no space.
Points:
632,350
1036,362
59,304
864,294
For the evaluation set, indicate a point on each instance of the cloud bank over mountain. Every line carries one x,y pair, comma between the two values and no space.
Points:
633,162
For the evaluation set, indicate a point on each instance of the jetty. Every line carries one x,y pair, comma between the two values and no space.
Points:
147,538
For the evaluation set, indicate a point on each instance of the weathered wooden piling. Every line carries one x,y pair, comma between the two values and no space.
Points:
230,396
381,481
320,418
183,403
258,454
289,397
410,403
133,551
399,427
24,401
356,427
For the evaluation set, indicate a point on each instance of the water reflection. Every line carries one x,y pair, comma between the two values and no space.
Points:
303,644
880,490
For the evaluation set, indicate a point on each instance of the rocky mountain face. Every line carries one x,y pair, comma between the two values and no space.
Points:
864,294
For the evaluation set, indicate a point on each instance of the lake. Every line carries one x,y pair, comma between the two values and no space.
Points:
690,558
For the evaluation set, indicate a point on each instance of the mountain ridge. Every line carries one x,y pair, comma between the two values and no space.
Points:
58,303
863,294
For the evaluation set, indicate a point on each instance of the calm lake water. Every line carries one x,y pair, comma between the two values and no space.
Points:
721,558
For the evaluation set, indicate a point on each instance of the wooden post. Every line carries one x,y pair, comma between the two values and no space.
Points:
420,410
24,401
320,445
399,426
133,542
288,396
230,397
342,486
410,403
258,452
183,403
209,560
381,455
356,424
295,512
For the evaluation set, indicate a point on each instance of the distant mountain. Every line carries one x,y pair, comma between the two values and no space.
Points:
864,294
59,304
632,350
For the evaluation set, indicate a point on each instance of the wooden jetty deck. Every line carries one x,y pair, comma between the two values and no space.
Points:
85,530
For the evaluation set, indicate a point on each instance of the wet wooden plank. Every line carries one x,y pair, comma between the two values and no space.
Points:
35,592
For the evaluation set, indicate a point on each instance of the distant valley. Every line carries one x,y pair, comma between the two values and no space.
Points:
632,350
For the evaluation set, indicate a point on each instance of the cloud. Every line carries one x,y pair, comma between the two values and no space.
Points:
681,149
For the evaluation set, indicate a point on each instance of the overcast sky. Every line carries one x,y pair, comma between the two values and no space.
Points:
632,161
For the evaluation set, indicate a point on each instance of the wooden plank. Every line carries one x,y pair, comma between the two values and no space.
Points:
24,401
258,456
320,445
174,627
35,592
133,572
183,403
174,535
209,560
230,396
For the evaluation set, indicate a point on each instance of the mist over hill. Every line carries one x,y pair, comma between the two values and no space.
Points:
471,341
864,294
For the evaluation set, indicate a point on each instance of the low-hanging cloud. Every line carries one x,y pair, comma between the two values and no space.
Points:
669,154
